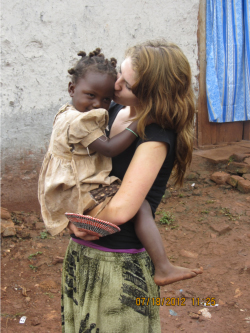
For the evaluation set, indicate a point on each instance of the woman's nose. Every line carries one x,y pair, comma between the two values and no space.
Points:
118,82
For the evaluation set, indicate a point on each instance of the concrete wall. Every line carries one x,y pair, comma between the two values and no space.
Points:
40,40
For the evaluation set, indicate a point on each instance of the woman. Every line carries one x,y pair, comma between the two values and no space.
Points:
105,281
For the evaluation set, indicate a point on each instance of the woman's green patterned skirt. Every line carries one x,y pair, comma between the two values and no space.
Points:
107,292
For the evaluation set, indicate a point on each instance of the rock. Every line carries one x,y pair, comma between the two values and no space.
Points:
233,180
50,284
247,160
247,266
205,313
238,157
188,254
193,315
192,176
24,234
220,177
236,167
7,228
35,321
244,186
167,194
197,193
246,176
5,214
221,228
238,293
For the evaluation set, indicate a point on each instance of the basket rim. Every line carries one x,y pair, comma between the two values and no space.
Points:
91,218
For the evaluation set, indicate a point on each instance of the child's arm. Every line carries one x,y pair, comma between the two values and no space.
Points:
116,145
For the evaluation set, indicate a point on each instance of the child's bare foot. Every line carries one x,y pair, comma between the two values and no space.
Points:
175,273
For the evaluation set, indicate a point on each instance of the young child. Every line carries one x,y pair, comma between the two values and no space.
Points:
71,170
72,173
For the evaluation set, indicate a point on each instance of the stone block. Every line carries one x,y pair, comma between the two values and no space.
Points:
246,176
7,228
220,177
236,167
5,214
237,157
233,180
244,186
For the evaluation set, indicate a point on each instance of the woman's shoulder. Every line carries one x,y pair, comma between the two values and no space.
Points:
155,132
114,109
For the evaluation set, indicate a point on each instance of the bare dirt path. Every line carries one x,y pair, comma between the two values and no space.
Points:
202,224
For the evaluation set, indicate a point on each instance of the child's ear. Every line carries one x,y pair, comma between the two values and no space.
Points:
71,89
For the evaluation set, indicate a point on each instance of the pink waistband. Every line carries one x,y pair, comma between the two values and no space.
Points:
105,249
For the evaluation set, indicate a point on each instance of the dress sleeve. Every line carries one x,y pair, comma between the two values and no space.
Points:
87,127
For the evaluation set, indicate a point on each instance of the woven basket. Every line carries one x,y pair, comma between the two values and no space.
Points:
92,225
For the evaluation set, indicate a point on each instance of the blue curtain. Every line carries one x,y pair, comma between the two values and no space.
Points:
228,60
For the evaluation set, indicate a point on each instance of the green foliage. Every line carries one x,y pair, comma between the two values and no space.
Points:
167,218
210,201
50,295
34,268
12,316
227,213
34,254
43,234
14,219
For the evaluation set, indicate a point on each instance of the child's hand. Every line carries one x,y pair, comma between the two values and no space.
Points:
80,234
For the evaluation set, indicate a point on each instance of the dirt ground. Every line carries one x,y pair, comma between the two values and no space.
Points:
202,224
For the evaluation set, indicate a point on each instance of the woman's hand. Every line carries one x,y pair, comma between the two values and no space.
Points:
80,234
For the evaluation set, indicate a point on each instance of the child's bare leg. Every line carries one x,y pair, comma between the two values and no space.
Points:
148,234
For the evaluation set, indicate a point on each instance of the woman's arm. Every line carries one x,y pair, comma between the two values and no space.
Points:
140,176
117,144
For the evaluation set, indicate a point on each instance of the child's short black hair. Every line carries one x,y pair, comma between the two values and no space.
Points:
95,61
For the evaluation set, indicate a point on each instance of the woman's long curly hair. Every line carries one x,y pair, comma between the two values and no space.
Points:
163,87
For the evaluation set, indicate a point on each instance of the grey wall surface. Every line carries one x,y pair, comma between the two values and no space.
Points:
40,40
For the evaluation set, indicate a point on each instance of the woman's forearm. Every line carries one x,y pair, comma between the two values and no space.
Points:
139,178
117,144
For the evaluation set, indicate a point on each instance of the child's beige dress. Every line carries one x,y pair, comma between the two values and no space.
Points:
70,170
